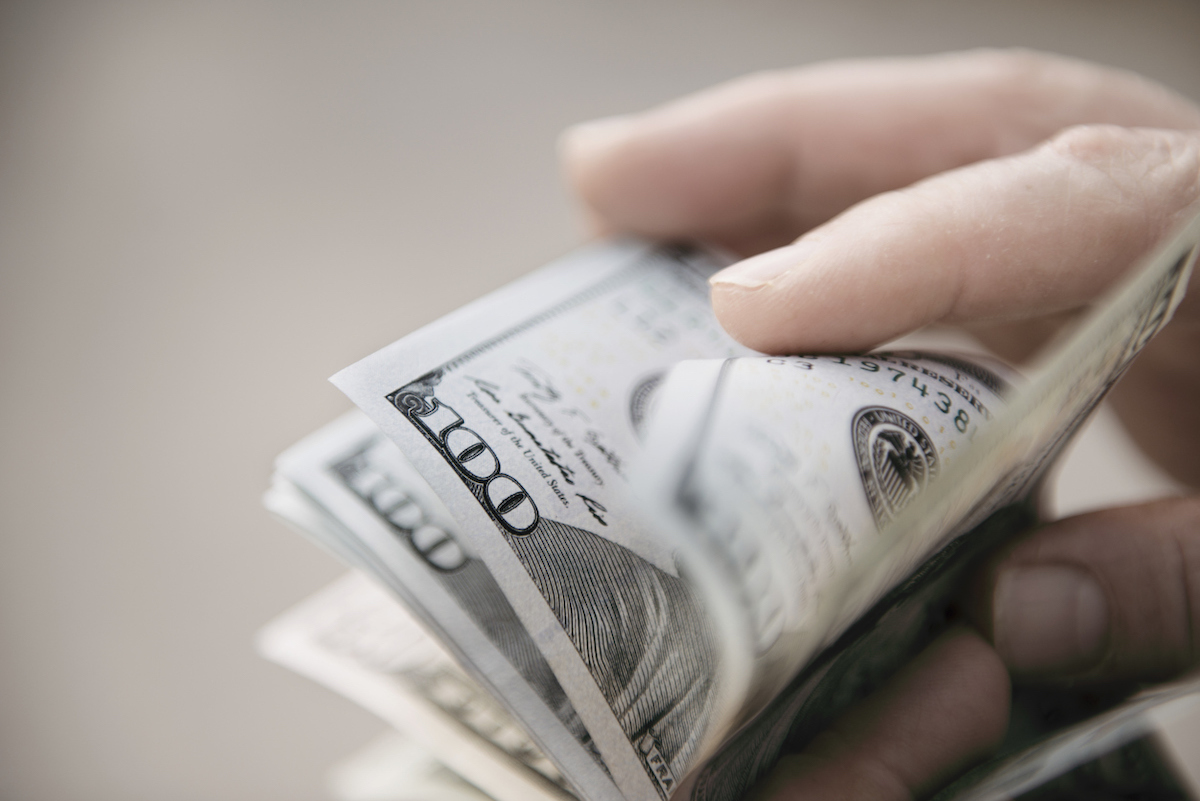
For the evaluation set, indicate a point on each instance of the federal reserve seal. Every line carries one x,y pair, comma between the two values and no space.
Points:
896,459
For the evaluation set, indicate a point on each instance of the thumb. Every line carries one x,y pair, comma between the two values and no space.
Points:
1107,595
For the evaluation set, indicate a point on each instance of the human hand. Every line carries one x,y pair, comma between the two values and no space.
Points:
1000,191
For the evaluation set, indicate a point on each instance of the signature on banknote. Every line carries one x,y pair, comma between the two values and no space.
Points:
657,554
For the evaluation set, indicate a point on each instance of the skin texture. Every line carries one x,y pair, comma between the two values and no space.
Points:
1145,560
947,708
997,190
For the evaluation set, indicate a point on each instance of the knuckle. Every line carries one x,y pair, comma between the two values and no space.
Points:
1158,168
1016,67
1023,79
763,85
1113,144
1095,143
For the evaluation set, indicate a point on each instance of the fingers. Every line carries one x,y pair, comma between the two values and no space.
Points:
948,708
755,162
1157,397
1028,235
1108,595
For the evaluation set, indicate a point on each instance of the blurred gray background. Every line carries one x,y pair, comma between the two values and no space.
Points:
206,209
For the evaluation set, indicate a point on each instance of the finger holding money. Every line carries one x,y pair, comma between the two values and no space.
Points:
1007,247
1108,595
944,711
1035,234
1016,189
1008,244
755,162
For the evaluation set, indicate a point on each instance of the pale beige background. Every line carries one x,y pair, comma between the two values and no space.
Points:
206,209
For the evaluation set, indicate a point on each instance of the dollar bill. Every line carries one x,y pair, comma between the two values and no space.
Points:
523,420
352,490
825,503
786,474
395,767
357,640
792,469
1039,765
524,412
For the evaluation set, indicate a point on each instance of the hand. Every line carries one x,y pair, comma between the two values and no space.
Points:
1000,191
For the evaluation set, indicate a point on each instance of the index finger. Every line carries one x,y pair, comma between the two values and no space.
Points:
754,163
1040,233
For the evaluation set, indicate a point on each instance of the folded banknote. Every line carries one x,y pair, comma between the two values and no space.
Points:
664,558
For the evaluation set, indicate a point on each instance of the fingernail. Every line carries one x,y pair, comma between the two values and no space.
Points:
765,268
1048,618
587,139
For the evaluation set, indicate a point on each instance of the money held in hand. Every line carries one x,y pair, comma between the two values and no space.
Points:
657,554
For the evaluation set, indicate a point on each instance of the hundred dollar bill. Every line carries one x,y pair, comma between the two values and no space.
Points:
395,767
354,638
525,412
790,470
821,502
350,488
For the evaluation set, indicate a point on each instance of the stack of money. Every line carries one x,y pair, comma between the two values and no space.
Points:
604,551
